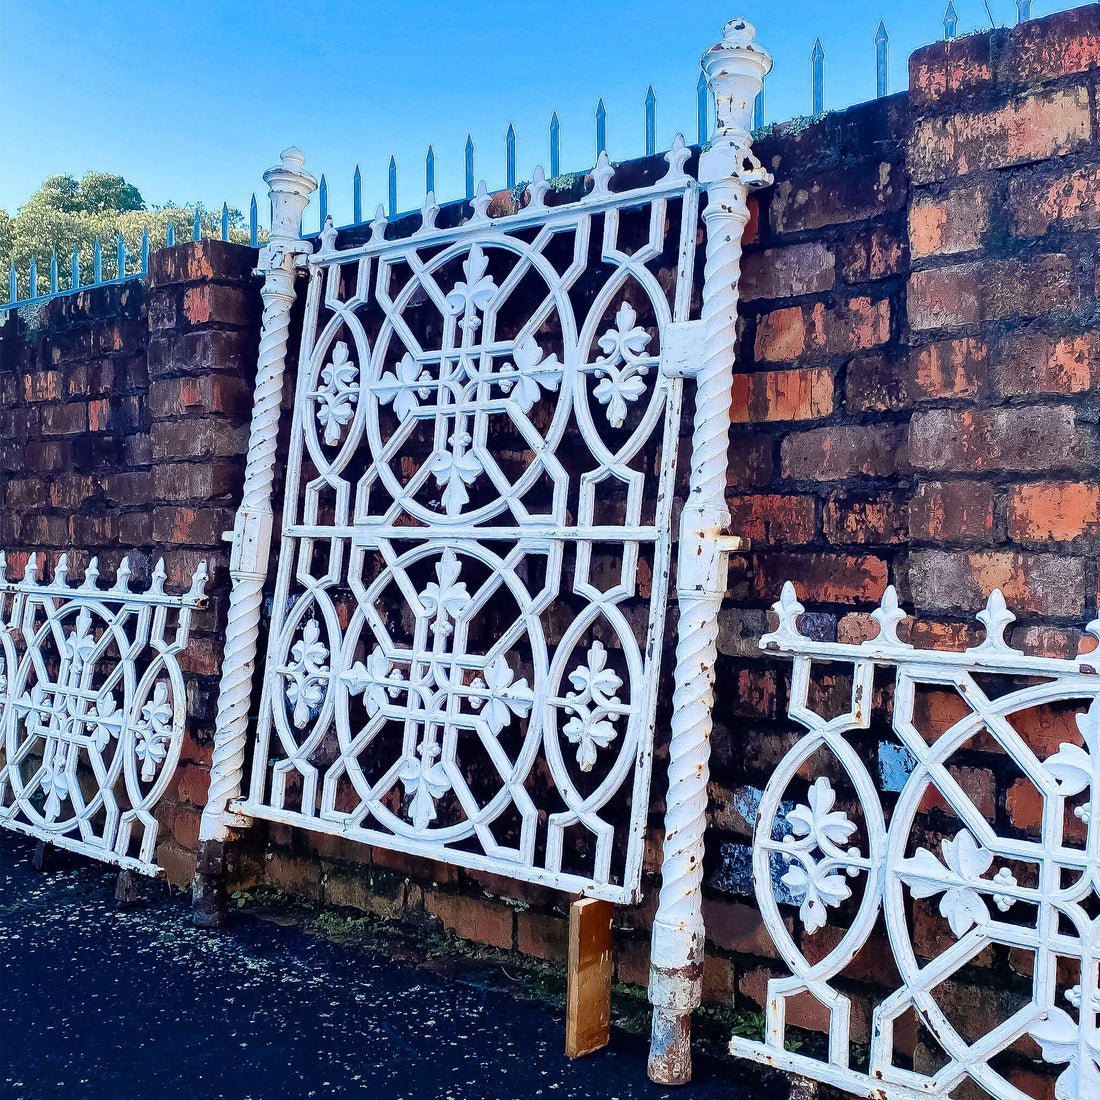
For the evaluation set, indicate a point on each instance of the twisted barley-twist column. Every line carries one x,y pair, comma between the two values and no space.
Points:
735,70
289,188
246,597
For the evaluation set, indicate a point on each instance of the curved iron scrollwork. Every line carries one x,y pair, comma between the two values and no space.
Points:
92,706
838,861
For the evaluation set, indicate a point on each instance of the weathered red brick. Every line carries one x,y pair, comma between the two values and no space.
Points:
822,578
945,225
1070,197
780,335
948,297
1035,362
952,511
1053,511
949,368
876,383
1045,584
876,254
472,918
1032,438
865,519
1059,45
843,451
854,325
837,197
774,519
943,70
787,272
782,395
1030,128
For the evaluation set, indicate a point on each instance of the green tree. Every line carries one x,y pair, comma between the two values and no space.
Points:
66,213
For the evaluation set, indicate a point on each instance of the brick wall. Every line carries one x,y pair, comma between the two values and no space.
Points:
915,405
123,418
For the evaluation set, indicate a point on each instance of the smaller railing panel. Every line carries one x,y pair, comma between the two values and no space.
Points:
92,707
965,881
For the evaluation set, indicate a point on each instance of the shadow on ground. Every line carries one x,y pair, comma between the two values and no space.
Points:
98,1003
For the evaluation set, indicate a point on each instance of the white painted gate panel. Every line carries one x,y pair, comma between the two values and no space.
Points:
469,608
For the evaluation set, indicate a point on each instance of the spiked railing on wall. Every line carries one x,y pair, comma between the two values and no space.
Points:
882,43
119,268
817,77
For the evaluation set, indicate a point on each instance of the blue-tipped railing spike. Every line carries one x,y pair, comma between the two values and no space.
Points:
253,224
510,157
53,273
120,258
1023,10
225,222
758,110
429,171
882,43
76,268
33,280
145,250
650,122
703,95
322,198
555,146
817,76
97,264
601,129
469,167
950,21
393,187
356,196
13,284
170,237
196,229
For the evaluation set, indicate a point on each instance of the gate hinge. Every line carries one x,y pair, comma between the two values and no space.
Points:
682,349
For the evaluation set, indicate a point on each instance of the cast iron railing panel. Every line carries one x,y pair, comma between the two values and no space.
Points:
93,708
971,887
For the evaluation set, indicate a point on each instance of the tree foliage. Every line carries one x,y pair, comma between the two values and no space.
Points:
66,213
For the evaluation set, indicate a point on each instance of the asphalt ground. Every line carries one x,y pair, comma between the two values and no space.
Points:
102,1003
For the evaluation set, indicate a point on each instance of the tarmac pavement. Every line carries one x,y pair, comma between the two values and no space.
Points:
98,1003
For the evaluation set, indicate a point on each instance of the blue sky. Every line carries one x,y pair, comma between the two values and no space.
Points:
193,100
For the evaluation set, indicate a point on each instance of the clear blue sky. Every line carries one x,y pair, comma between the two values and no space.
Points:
193,99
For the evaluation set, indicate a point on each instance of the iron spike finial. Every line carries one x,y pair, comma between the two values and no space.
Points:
601,128
429,172
76,266
357,196
650,122
145,248
392,177
510,157
53,273
225,221
469,155
322,200
1023,11
950,21
33,279
253,224
196,234
97,263
555,146
817,76
882,45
